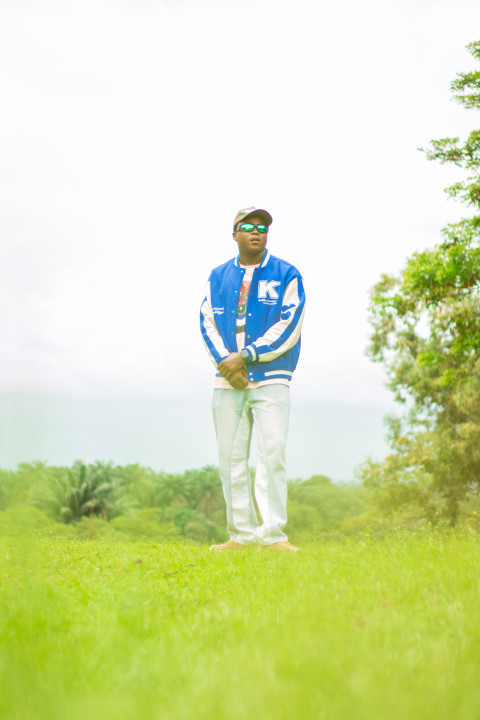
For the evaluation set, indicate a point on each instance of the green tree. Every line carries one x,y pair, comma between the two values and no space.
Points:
426,331
139,486
318,505
206,490
83,491
29,484
173,490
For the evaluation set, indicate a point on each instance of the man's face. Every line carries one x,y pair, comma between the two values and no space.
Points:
251,243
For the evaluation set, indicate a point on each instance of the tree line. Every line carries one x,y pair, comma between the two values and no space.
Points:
138,501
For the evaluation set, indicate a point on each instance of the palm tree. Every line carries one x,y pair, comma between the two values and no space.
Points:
173,490
84,491
207,490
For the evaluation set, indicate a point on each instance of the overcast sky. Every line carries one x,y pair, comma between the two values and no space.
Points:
132,132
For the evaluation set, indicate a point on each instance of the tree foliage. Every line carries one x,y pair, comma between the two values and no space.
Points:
101,498
426,331
317,504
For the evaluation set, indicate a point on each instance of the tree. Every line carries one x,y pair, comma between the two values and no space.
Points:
138,486
83,491
206,490
426,331
173,490
319,504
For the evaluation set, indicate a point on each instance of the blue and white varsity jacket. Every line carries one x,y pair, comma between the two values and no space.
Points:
274,316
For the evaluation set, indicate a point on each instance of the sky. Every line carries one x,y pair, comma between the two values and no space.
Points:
132,132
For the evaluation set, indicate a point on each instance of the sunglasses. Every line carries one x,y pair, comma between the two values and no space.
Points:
250,227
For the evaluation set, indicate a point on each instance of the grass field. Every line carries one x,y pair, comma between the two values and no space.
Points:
349,628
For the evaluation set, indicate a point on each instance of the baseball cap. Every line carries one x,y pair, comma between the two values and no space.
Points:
246,212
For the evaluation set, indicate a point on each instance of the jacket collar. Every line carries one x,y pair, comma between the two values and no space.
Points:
265,259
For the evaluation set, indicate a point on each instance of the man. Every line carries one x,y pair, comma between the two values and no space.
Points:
251,319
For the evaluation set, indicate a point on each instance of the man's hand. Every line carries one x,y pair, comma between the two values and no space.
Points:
231,364
239,380
233,369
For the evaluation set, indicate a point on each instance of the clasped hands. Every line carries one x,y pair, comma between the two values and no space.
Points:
233,369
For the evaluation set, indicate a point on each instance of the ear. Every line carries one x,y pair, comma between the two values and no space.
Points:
234,235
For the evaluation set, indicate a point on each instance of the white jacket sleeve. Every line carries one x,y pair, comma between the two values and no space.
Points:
211,337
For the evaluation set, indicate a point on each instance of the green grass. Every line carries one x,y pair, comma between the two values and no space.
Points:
349,628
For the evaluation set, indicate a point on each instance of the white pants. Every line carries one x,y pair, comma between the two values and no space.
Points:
234,413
